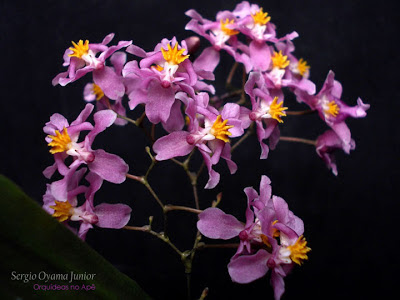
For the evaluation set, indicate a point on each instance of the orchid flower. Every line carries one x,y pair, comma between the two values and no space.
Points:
83,58
63,138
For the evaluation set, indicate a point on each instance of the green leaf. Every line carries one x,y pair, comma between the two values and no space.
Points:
34,243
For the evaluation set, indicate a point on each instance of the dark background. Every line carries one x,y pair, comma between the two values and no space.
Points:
350,221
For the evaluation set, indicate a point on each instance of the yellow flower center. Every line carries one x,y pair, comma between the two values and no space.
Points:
333,109
79,49
261,17
173,56
265,240
158,68
62,210
302,67
299,250
60,142
220,129
276,110
275,232
227,30
280,61
97,91
187,120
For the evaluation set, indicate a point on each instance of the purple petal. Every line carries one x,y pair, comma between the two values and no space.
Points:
137,51
95,184
107,53
175,121
119,109
215,224
172,145
85,113
137,94
102,119
303,84
59,189
328,84
265,189
74,130
251,195
73,77
195,15
118,60
112,215
226,154
344,134
208,60
150,60
190,71
88,94
109,166
286,217
277,282
56,80
49,171
57,122
230,111
337,89
247,268
83,230
159,102
108,38
110,83
216,147
213,177
260,55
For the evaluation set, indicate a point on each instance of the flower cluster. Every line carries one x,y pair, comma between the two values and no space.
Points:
171,85
69,154
271,239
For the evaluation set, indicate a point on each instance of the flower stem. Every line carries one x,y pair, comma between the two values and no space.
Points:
147,185
143,180
200,169
188,285
300,112
161,236
127,119
169,207
204,294
134,177
298,140
230,75
243,138
153,162
227,95
204,246
177,162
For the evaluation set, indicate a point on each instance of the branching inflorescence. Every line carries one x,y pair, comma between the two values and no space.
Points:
174,90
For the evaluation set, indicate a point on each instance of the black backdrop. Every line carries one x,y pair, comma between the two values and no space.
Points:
350,220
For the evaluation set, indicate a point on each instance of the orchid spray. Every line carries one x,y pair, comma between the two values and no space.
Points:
172,86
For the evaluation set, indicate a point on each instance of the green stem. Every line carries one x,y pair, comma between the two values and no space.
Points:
153,162
230,75
177,162
147,185
243,138
201,246
170,207
300,112
144,181
161,236
227,95
127,119
298,140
